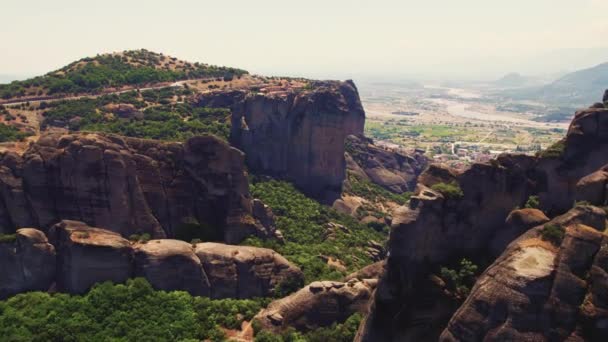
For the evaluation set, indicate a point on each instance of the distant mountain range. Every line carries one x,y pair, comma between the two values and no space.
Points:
578,88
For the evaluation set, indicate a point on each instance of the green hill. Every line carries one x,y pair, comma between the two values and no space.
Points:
128,68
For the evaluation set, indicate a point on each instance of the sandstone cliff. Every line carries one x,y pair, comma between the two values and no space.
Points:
297,135
542,291
130,186
470,218
79,256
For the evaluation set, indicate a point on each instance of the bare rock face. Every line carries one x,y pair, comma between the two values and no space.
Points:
541,291
394,171
129,186
87,255
297,135
27,263
592,188
373,271
245,272
319,304
585,150
171,265
518,222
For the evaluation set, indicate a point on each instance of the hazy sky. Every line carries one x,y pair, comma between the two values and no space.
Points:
320,38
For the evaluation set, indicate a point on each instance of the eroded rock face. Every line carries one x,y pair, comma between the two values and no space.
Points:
518,222
297,135
87,255
585,150
171,265
538,291
319,304
592,188
245,272
27,263
129,186
393,171
79,256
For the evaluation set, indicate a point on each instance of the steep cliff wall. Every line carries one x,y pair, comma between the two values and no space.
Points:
129,186
440,225
297,135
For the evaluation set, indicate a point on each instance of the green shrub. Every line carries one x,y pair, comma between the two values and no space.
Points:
130,312
449,190
533,202
374,192
337,332
11,133
303,223
462,279
8,238
553,233
554,151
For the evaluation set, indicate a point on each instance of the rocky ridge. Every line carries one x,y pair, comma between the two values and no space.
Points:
79,256
453,215
131,186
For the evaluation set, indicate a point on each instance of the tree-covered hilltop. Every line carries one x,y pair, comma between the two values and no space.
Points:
128,68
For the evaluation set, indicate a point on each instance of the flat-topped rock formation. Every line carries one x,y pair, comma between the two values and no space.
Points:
297,135
130,186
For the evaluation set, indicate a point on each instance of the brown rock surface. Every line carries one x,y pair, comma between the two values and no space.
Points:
129,186
26,264
245,272
87,255
592,188
537,291
518,222
373,271
297,135
394,171
171,265
319,304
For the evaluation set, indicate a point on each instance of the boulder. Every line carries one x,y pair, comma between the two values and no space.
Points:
319,304
245,272
87,255
518,222
171,265
373,271
27,263
592,188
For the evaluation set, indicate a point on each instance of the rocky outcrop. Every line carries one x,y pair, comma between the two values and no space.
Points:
245,272
373,271
518,222
542,291
87,255
171,265
27,263
298,134
468,218
130,186
392,170
592,188
319,304
79,256
583,151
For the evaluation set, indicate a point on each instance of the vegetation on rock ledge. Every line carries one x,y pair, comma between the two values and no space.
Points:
308,235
